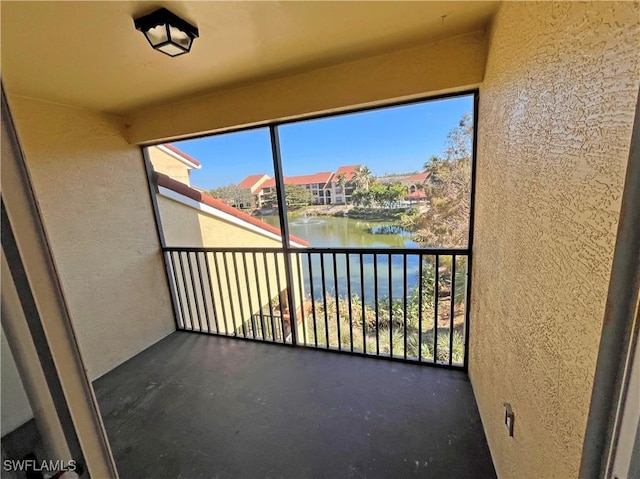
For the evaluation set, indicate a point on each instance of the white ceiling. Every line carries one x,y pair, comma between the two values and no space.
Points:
88,54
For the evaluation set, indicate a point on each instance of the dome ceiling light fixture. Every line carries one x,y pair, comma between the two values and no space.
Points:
166,32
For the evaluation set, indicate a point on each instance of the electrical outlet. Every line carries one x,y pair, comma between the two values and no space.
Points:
509,418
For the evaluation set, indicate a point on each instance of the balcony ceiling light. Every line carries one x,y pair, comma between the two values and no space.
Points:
167,32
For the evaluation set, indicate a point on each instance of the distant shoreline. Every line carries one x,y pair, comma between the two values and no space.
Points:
350,211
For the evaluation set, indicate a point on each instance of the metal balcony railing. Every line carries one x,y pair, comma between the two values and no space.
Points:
402,304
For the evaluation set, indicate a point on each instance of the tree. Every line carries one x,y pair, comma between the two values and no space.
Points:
446,221
379,193
383,194
362,197
234,195
295,197
342,183
395,192
362,177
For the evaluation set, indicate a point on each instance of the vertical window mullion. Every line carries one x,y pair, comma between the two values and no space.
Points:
284,229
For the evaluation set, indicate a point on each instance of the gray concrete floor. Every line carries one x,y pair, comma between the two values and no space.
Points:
194,406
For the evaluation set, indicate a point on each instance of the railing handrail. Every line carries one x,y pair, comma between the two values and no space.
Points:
327,250
363,299
259,315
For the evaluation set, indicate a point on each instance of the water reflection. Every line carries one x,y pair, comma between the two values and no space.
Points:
360,275
344,232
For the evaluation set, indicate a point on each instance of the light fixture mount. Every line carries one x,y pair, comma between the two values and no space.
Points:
167,32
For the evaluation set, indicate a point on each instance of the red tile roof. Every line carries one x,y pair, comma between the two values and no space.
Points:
190,159
419,176
250,181
348,171
181,188
417,195
322,177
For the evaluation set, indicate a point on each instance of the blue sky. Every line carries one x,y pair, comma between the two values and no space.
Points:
390,140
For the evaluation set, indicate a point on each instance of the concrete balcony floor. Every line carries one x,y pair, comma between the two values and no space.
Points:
195,406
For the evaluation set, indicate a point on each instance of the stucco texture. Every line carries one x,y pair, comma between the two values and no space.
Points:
447,65
164,163
186,226
555,118
93,194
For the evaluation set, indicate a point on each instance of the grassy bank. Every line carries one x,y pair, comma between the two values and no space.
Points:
377,214
390,338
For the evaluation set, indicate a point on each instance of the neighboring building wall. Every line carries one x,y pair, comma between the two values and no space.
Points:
93,194
15,405
187,226
555,120
164,163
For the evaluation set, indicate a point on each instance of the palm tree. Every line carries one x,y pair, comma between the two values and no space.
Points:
430,163
342,182
362,177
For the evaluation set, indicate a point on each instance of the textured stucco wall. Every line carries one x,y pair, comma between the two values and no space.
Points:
92,190
555,119
447,65
187,226
14,404
164,163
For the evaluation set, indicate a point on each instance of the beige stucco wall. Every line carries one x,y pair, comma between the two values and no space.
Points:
92,190
447,65
555,119
166,164
186,226
14,405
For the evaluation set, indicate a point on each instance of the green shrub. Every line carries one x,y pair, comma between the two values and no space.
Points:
384,342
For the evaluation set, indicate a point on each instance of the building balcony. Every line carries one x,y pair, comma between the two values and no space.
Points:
91,294
401,304
196,405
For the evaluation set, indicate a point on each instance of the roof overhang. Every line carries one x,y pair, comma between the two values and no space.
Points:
176,154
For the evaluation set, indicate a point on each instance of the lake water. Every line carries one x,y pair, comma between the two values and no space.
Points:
342,232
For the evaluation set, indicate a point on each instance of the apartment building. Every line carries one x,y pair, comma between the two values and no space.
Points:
320,185
326,187
342,185
329,188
